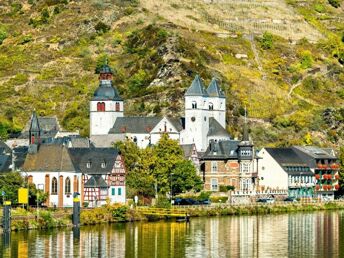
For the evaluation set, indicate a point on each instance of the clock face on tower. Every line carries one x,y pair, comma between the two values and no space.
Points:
193,119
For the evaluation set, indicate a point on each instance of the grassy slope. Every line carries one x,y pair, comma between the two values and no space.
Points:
50,67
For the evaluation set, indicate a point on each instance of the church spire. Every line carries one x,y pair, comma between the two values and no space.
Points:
34,131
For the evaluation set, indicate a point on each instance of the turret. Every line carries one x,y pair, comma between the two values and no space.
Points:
106,104
196,115
217,102
34,131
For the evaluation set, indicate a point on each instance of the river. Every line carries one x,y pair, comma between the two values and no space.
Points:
316,234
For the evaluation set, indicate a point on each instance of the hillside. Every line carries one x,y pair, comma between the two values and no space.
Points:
282,60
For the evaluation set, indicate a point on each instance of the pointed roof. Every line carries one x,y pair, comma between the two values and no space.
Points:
95,182
215,129
196,88
214,89
34,126
105,68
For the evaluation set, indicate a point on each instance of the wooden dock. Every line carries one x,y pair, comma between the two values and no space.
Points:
177,213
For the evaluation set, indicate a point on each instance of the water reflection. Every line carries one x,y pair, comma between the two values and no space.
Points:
294,235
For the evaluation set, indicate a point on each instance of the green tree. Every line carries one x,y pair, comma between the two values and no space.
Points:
3,36
9,184
184,178
154,167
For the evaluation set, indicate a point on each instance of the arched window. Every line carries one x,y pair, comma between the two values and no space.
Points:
194,104
67,186
117,108
54,186
211,106
100,106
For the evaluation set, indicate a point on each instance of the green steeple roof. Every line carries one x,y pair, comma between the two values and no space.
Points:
196,88
214,89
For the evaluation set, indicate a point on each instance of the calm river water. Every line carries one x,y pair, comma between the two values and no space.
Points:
318,234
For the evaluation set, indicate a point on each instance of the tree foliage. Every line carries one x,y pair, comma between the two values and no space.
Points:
156,167
9,184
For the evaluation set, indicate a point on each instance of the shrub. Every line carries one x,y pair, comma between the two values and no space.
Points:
120,213
163,202
3,36
306,60
204,196
267,41
101,27
334,3
226,188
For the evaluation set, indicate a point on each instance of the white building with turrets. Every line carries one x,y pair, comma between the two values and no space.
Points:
205,117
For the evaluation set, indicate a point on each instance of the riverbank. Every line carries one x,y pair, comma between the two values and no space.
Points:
46,219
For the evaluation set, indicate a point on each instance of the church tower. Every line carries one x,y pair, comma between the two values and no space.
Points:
34,131
217,103
196,115
106,104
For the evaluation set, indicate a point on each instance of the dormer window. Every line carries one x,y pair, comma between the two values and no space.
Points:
194,104
245,153
89,164
103,164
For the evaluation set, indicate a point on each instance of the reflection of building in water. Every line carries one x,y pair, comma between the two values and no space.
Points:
156,239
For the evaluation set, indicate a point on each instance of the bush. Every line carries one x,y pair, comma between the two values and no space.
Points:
204,196
334,3
101,27
120,213
3,36
163,202
267,41
226,188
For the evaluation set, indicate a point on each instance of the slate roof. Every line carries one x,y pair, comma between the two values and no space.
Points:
105,69
134,125
214,89
49,127
315,152
196,88
20,154
95,182
106,91
5,162
4,148
285,156
222,150
215,129
49,158
95,156
187,150
176,122
34,126
289,160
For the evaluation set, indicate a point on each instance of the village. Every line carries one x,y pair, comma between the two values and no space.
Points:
61,163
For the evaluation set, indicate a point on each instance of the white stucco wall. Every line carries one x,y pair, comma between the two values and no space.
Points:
38,178
219,110
102,122
273,174
114,195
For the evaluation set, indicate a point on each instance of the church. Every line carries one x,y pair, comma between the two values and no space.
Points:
204,121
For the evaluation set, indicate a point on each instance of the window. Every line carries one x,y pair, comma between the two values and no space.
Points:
100,106
89,164
245,167
194,104
103,164
245,152
245,184
54,186
67,186
214,166
113,191
117,107
211,106
119,191
214,184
